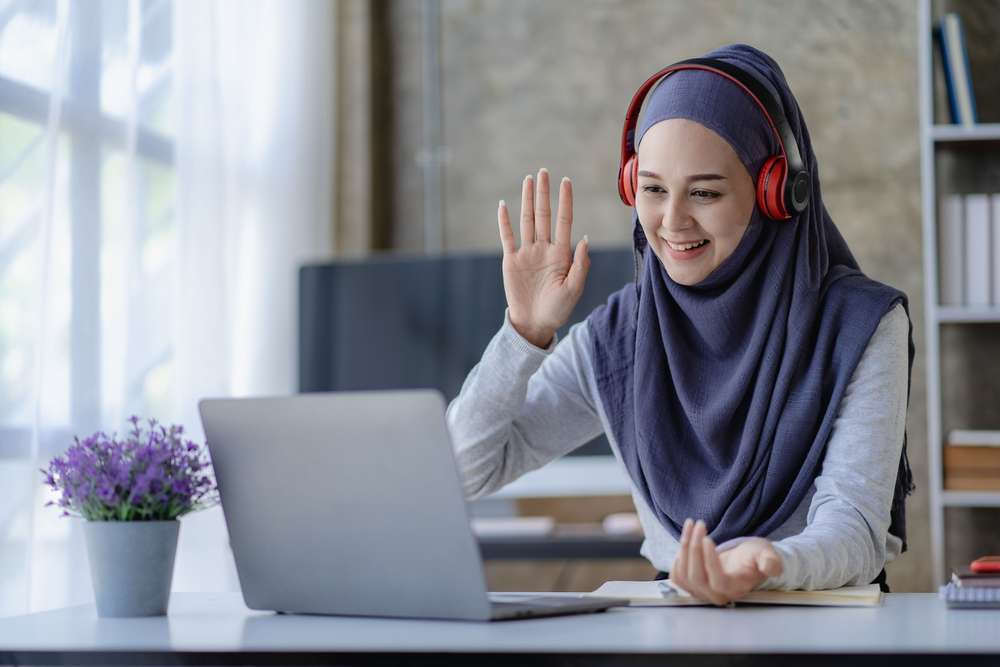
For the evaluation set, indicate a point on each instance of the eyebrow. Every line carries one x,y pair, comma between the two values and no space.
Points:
691,178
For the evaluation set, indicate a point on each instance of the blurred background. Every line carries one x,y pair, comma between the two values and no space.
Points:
211,198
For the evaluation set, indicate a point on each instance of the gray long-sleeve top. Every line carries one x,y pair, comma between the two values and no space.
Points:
522,406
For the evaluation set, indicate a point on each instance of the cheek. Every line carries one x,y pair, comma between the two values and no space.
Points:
644,211
648,219
727,224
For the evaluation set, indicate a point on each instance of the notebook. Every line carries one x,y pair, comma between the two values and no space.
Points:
965,597
965,577
664,593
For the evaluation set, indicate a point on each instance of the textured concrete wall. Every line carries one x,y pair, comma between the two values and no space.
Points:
529,84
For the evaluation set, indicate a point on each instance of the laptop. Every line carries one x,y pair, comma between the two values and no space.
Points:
350,503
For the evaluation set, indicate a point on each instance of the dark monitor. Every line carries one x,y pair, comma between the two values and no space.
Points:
391,321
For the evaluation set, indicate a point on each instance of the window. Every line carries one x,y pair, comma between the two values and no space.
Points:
86,142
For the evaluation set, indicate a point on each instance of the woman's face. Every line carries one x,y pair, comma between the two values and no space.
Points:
692,187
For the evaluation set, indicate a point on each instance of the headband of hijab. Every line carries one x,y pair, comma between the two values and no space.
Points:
722,395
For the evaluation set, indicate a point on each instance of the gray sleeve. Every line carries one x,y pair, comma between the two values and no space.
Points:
844,541
521,407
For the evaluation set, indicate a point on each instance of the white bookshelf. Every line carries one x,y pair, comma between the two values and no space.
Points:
980,132
932,137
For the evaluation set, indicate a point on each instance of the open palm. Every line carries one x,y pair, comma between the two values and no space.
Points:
543,280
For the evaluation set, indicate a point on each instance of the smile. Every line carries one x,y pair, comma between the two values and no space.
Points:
684,247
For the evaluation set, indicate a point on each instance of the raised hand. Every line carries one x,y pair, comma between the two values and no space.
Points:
543,280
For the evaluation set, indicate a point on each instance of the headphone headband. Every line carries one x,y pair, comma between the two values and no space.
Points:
795,194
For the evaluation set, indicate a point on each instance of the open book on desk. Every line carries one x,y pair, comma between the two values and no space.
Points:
666,594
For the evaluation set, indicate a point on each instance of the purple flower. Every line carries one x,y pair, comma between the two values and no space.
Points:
151,474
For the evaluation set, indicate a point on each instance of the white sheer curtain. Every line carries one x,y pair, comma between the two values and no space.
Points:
165,167
254,167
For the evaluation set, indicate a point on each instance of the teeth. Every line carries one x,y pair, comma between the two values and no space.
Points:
687,246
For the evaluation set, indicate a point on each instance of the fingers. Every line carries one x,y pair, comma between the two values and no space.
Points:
581,264
564,215
543,208
696,561
717,579
506,233
527,211
678,571
690,568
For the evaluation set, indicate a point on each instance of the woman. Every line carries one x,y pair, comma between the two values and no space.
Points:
753,382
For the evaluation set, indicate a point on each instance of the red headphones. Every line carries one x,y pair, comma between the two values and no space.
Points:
783,183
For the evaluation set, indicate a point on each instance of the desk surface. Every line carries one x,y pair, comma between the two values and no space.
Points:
217,628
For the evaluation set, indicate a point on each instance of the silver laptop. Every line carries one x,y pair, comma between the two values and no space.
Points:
350,503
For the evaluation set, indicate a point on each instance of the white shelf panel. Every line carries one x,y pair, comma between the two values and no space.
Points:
571,476
973,314
970,498
980,132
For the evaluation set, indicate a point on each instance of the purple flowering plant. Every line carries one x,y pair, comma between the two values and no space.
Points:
151,474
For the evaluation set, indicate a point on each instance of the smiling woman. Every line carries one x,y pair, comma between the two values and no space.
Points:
753,381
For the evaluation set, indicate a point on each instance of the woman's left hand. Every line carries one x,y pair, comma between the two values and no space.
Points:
723,577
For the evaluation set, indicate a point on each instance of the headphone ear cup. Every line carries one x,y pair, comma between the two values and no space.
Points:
630,179
770,188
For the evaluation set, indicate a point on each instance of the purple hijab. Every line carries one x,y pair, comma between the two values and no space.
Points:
722,395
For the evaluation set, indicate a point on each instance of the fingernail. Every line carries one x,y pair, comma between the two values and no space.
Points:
502,203
565,179
586,241
528,177
543,169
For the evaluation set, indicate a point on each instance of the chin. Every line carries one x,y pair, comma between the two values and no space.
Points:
682,277
687,281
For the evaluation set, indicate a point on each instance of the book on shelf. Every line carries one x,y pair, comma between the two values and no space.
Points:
958,457
968,227
958,76
976,467
971,480
965,437
995,245
978,280
951,244
665,593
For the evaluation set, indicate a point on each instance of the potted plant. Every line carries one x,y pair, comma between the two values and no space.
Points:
131,492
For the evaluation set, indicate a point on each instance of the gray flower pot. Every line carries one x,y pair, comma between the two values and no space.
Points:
131,565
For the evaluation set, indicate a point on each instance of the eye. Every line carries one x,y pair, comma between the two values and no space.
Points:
652,188
705,194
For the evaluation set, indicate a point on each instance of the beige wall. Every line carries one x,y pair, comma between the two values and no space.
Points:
529,84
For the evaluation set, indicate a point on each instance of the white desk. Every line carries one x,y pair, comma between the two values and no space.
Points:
217,629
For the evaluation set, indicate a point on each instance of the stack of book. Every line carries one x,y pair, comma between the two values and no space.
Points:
972,590
969,241
972,461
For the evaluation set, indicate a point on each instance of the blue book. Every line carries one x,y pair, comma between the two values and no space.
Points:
955,58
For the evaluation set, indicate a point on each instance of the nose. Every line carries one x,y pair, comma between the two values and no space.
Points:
676,216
